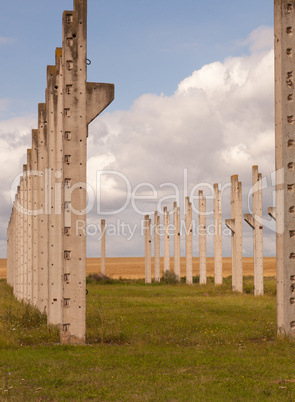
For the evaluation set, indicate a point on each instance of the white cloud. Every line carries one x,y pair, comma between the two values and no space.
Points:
219,122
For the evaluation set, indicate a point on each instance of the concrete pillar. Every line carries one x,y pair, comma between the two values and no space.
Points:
19,243
235,225
21,198
157,246
25,228
29,228
103,247
42,206
176,214
16,240
188,242
202,238
54,111
148,249
82,102
217,235
35,262
255,221
284,23
166,240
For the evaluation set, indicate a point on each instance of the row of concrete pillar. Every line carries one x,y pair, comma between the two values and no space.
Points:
46,253
234,224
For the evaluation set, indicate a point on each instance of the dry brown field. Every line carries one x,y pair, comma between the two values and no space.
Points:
133,267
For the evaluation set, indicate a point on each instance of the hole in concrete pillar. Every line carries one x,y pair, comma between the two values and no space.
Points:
292,325
69,89
54,299
70,42
291,166
292,210
292,300
289,83
291,143
67,159
289,30
67,231
292,233
70,64
68,135
67,182
66,303
290,119
66,327
292,256
66,277
292,278
69,18
67,205
74,35
68,113
289,7
67,255
291,188
289,51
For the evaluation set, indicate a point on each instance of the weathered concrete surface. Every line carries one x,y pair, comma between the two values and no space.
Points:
202,238
217,235
176,223
166,240
284,23
148,249
255,221
235,225
103,246
188,242
157,247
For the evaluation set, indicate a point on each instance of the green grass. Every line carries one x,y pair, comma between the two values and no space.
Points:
154,342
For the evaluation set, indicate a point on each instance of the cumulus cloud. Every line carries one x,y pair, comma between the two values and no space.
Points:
218,122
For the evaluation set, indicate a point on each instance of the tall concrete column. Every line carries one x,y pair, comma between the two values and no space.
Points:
202,238
35,262
188,242
235,225
29,228
255,221
217,235
157,247
16,239
166,240
284,24
21,199
103,246
148,249
25,228
54,109
42,206
176,214
19,244
82,102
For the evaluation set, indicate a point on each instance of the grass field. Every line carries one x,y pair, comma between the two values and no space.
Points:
154,342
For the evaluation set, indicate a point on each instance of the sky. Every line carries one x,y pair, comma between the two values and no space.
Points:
193,105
